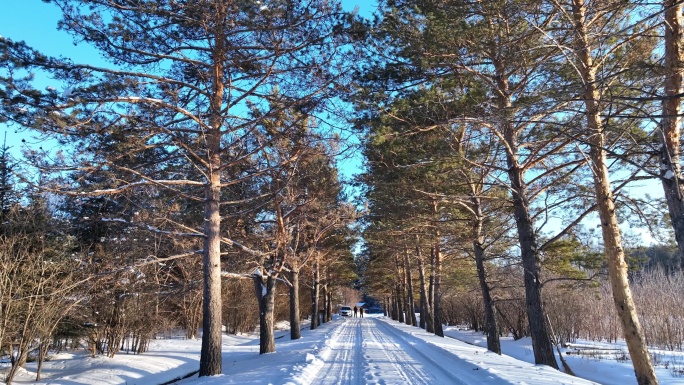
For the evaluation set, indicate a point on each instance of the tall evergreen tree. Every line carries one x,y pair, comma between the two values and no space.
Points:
597,55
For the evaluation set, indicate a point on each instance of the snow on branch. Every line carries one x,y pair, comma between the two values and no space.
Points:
129,186
152,228
226,274
244,248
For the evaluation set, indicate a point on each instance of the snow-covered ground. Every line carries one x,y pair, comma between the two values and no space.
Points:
372,350
604,363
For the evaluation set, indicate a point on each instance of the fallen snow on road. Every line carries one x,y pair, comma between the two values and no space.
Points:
372,350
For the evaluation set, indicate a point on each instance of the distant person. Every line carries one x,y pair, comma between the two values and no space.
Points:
356,311
361,311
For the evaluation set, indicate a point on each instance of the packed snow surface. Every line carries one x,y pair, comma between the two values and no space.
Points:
371,350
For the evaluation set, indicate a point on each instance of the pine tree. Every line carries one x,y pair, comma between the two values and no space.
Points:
590,24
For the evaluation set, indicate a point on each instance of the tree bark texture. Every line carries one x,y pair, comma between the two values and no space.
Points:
409,288
670,124
315,293
395,307
612,239
211,355
329,306
295,327
265,292
322,312
430,328
400,304
437,301
425,317
493,343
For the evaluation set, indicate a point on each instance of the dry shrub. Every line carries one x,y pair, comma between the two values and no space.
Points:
281,311
571,311
660,304
240,308
464,308
512,317
589,312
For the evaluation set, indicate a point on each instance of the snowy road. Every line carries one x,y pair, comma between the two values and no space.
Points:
371,352
379,351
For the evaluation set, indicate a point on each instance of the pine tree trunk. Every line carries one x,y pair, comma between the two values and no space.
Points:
211,355
395,307
324,294
437,301
265,292
409,282
400,304
404,290
315,294
670,124
425,318
529,248
541,341
329,307
430,327
493,343
401,290
612,239
295,327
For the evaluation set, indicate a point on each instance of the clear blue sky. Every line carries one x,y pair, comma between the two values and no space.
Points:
36,23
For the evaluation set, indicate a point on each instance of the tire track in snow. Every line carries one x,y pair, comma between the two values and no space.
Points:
342,366
431,358
365,351
389,361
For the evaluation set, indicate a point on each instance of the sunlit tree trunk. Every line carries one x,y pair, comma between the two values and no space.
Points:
437,301
295,327
210,355
324,295
670,123
265,292
617,267
315,293
430,328
329,306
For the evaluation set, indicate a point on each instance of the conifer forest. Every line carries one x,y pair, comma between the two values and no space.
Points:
223,165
